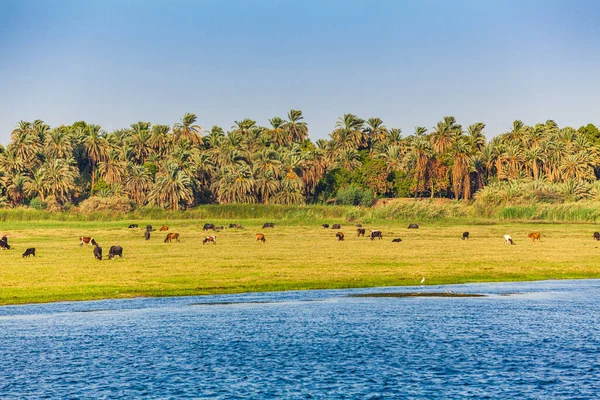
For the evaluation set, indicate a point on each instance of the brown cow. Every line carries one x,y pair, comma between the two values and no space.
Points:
87,240
339,236
210,239
171,236
164,228
534,236
596,235
260,237
361,232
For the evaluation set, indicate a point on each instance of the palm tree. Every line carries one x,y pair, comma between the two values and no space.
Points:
59,178
137,183
140,141
96,147
443,134
112,169
188,130
461,182
376,131
348,132
58,143
172,187
296,128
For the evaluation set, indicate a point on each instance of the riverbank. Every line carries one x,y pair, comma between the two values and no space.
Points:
294,257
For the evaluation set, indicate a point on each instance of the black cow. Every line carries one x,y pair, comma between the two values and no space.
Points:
133,226
208,227
361,232
149,228
597,235
147,235
413,226
29,252
98,253
397,240
465,236
325,226
336,226
376,234
5,239
4,245
115,251
269,225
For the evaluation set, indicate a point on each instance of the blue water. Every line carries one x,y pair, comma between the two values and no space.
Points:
542,341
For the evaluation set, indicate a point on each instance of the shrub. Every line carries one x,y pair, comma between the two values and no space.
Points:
354,195
38,204
114,203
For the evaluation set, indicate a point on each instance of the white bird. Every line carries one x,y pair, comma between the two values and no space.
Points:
422,280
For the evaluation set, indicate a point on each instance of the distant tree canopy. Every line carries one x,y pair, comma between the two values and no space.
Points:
181,166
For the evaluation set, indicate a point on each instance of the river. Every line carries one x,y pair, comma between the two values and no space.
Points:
522,340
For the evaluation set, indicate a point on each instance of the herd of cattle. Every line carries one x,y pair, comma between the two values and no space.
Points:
260,237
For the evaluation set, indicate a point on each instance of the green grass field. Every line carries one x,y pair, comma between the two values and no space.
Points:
299,256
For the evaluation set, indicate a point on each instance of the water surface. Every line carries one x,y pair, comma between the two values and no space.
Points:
541,341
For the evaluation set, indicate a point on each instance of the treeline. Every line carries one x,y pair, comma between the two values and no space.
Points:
182,166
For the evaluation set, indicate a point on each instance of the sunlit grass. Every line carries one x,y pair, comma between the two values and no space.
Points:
303,256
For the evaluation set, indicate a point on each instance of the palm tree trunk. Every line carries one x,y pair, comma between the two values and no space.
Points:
93,179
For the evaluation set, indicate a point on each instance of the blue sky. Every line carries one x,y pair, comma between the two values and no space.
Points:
115,62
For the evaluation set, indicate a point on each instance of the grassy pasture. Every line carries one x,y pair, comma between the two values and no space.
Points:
295,256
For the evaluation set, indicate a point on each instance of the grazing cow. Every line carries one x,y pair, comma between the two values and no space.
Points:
361,232
508,239
208,227
260,237
133,226
359,225
172,236
219,228
5,239
87,240
376,234
465,236
397,240
149,228
98,253
269,225
164,228
339,236
236,226
147,235
326,226
336,226
4,245
597,235
210,239
413,226
115,251
29,252
534,236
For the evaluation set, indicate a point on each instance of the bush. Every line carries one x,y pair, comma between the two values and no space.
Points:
354,195
38,204
115,203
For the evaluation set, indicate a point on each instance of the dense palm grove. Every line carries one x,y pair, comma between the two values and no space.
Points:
181,166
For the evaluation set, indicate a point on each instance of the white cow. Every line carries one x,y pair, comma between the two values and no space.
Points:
508,239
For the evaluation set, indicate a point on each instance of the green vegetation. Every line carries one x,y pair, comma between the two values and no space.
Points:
298,254
81,168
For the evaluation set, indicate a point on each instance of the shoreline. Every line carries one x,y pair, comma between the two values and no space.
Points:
366,295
